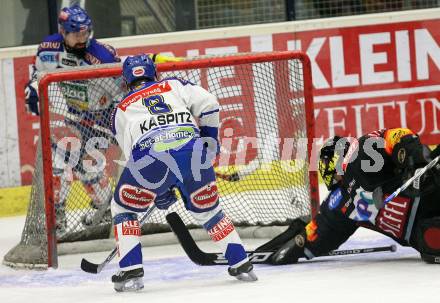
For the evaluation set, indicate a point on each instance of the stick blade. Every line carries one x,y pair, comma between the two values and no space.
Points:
188,244
89,267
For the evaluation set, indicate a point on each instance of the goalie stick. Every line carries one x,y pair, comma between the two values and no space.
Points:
200,257
94,268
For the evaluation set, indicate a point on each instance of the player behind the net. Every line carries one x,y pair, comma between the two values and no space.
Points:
360,174
166,148
85,106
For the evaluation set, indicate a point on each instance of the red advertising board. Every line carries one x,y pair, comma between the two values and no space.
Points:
364,77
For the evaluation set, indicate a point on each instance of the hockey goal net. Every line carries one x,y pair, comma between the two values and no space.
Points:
263,172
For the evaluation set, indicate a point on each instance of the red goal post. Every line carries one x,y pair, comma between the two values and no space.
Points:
292,99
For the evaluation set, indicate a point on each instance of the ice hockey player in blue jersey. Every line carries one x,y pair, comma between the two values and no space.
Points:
168,132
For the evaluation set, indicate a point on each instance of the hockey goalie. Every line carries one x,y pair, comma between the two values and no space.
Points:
361,175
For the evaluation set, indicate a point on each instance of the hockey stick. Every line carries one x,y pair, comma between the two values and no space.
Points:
94,268
239,175
200,257
231,178
418,173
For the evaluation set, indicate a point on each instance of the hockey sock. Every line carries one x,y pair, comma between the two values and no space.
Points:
127,233
221,230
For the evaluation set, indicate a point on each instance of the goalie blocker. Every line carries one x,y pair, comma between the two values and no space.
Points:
411,218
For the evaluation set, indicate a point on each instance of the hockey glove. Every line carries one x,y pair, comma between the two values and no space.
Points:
435,152
410,147
165,200
212,133
158,58
31,99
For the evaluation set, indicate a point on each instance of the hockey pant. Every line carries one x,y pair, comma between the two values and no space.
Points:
140,187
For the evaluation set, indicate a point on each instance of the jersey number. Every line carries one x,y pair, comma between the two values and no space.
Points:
156,105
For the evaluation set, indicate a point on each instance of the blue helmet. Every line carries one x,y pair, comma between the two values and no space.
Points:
138,67
74,19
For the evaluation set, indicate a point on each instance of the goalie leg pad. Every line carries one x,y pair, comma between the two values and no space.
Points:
428,239
98,187
127,233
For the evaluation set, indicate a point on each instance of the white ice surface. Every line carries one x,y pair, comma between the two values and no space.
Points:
171,277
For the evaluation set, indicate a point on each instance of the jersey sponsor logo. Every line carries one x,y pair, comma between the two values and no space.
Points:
392,218
155,89
69,62
50,45
221,230
205,197
75,94
48,57
136,197
138,71
166,140
161,120
131,228
334,198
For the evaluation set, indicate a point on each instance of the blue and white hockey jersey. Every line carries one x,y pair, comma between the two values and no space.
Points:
165,115
84,100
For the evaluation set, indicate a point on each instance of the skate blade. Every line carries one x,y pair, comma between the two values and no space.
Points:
247,277
129,285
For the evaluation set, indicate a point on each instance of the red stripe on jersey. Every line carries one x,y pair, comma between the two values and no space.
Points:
155,89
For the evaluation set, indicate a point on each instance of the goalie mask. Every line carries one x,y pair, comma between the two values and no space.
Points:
138,68
330,159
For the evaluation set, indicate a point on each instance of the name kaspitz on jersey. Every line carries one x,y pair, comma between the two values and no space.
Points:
175,118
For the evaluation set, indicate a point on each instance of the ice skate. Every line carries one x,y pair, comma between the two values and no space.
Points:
130,280
244,272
